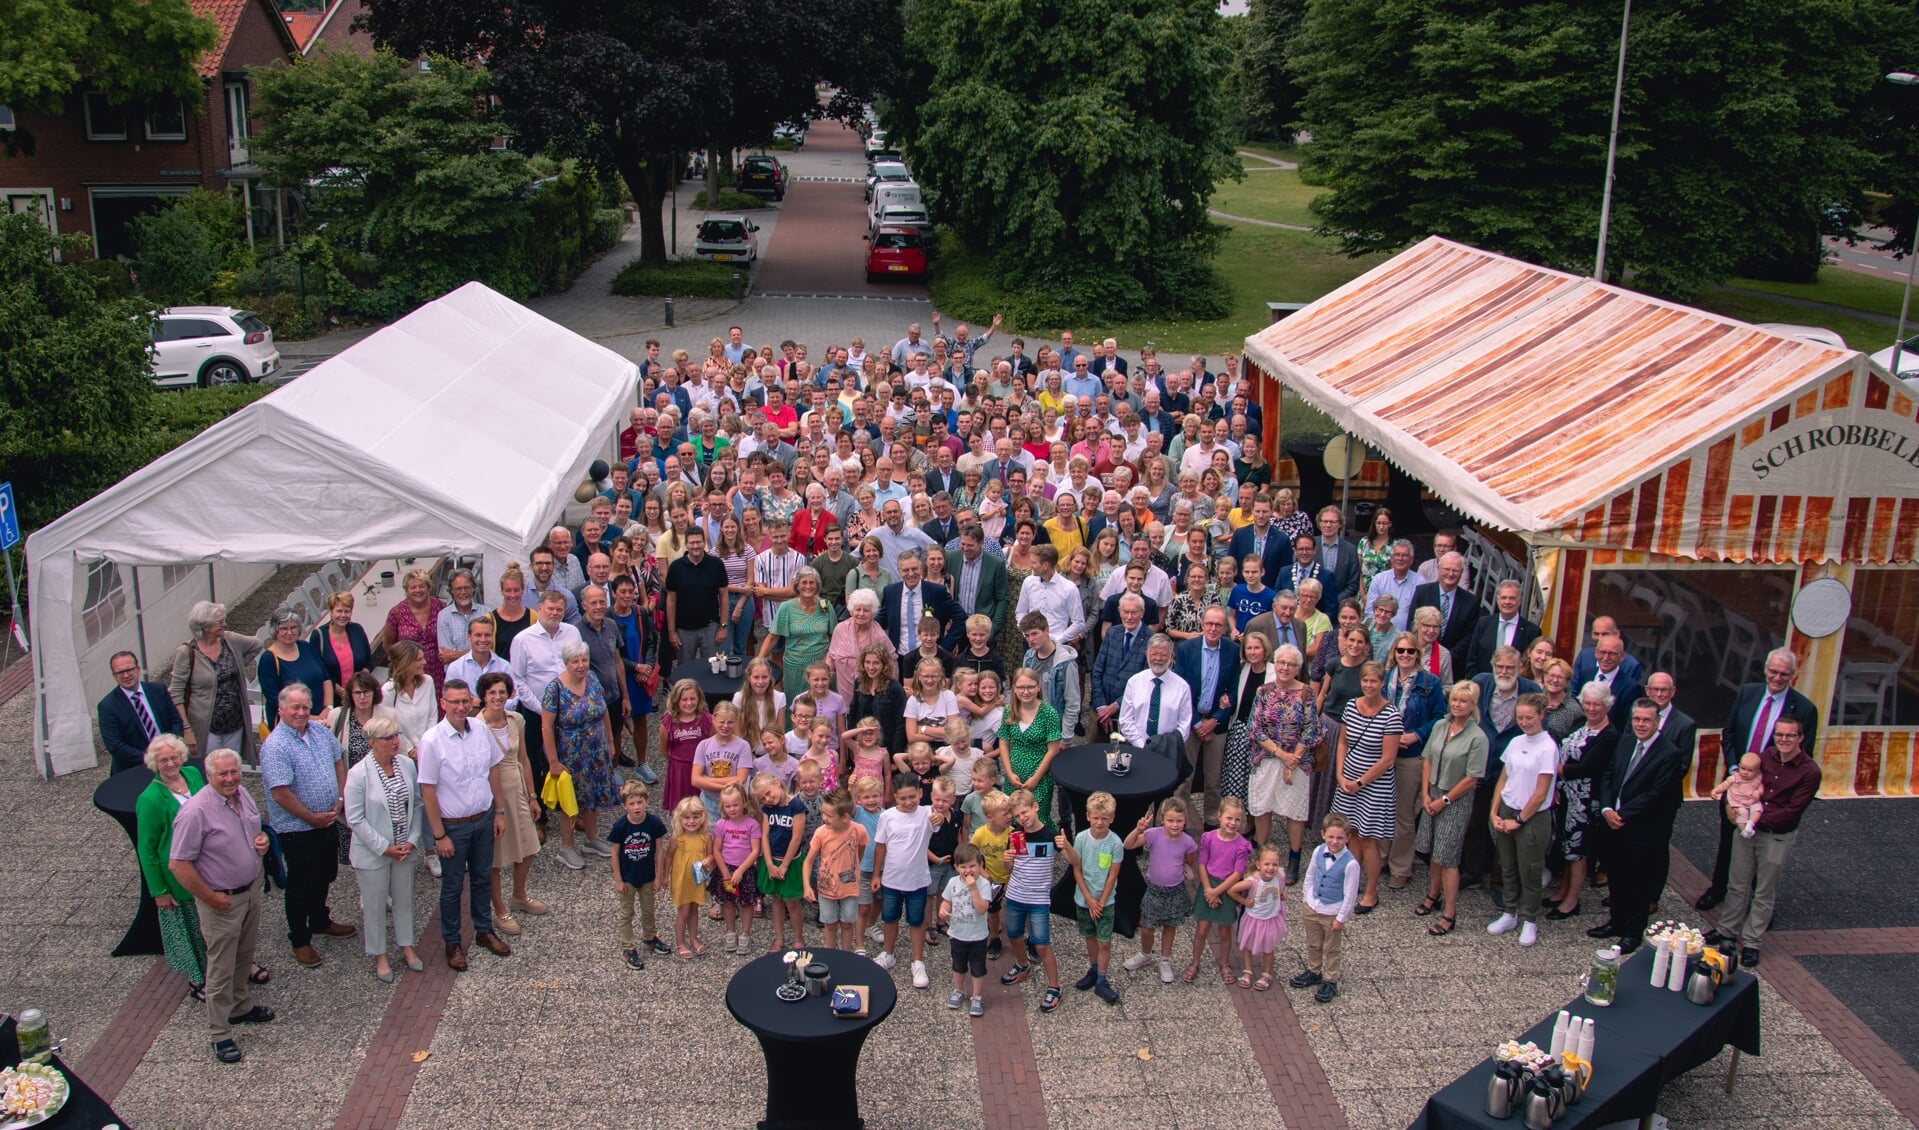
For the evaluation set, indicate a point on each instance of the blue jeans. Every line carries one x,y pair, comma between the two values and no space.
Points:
1032,921
472,857
913,903
734,638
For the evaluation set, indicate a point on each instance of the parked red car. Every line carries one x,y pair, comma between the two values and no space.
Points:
896,252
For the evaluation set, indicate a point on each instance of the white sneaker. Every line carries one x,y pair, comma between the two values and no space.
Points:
1528,934
875,934
740,944
860,952
920,980
726,943
597,847
1502,924
572,858
884,960
1137,962
433,864
1165,972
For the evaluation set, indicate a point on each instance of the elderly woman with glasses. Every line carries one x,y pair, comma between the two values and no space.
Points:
383,814
287,660
209,685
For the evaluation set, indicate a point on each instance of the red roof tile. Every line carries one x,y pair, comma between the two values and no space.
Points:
303,25
225,15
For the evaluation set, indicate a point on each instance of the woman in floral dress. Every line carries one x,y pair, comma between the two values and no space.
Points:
580,738
1285,732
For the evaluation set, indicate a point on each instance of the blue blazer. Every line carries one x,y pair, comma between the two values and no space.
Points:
126,739
1424,705
936,600
1186,666
1278,552
1116,663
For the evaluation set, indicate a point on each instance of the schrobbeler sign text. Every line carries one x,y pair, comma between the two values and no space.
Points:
1899,445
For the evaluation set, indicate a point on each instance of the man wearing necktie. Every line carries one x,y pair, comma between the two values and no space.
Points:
905,601
1748,729
1156,710
1210,666
133,713
1640,799
1505,629
1122,654
1458,608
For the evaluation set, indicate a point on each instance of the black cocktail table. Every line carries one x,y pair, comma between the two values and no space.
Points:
116,797
718,688
1080,771
812,1056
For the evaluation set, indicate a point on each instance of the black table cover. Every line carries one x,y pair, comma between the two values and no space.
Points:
1648,1037
719,688
812,1056
116,797
1080,771
84,1110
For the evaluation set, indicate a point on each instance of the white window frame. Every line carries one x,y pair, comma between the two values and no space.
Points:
86,109
155,135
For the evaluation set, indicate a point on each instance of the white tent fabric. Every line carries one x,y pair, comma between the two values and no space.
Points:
462,428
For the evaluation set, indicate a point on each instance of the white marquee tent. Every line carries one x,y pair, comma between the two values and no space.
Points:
463,428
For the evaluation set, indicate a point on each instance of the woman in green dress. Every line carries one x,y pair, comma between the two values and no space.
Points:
804,627
1029,739
173,782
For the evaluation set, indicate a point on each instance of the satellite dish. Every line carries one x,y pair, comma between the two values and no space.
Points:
1344,457
1822,607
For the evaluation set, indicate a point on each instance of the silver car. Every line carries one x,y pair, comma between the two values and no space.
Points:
727,239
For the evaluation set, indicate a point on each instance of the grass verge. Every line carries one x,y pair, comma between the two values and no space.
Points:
1839,287
1268,194
682,278
1860,333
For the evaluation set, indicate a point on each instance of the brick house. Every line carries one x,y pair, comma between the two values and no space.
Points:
96,166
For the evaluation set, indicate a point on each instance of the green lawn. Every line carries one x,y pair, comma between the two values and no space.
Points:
1841,287
1860,333
1280,152
1273,194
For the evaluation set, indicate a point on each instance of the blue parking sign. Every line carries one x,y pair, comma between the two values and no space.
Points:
9,518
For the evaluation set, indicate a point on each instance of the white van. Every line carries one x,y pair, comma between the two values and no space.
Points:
892,194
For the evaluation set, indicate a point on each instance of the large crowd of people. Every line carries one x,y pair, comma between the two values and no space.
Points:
940,567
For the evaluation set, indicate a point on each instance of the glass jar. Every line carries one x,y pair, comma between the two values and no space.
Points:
34,1035
1602,981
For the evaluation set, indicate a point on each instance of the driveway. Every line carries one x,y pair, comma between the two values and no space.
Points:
818,248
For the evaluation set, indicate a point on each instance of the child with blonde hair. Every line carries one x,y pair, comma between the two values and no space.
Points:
690,863
993,836
1094,856
868,798
720,760
1263,925
735,886
1223,858
831,876
864,755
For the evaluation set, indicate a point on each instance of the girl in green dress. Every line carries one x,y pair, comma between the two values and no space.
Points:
1029,739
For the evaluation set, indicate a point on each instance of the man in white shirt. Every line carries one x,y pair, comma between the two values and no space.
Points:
1398,582
455,617
1156,701
1052,596
1158,587
459,791
480,659
536,663
885,489
896,537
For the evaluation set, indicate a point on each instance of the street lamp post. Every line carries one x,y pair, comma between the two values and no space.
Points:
1905,78
1612,145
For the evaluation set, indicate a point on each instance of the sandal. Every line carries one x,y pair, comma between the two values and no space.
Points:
1265,982
1423,909
1439,931
1245,980
259,976
1225,975
197,992
699,950
1191,974
684,954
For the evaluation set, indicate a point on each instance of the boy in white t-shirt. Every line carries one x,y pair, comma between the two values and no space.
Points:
901,870
963,906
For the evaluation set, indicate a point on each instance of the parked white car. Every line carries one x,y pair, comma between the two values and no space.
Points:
1908,361
211,345
885,172
890,194
727,239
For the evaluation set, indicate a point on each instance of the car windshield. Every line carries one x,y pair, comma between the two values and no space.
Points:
251,323
890,172
759,164
896,240
722,231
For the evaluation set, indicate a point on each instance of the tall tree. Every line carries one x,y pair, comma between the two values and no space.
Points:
634,84
1269,94
1077,141
1487,123
125,50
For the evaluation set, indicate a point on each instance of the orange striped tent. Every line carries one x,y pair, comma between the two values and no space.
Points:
1606,427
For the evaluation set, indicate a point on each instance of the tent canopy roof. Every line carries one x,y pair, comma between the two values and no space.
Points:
1524,395
466,423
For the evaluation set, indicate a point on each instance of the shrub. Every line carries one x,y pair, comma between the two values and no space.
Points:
291,319
609,225
111,278
731,200
682,278
967,285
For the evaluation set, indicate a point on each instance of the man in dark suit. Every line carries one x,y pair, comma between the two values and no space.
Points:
1338,557
133,713
1748,729
1499,693
911,594
1638,800
1507,628
1458,609
1586,663
1021,364
979,578
1609,667
1281,625
1677,727
1122,655
1209,663
941,477
1275,549
943,526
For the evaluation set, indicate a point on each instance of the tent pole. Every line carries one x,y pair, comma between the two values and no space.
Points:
139,618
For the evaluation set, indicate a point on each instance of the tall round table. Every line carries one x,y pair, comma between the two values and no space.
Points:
116,797
718,688
812,1056
1080,771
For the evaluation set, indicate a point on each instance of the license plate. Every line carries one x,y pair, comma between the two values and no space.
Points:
896,267
722,258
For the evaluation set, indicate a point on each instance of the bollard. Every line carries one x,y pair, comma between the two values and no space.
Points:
739,286
669,311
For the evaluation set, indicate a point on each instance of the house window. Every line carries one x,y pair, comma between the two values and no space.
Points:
105,122
238,128
105,606
35,202
167,121
6,118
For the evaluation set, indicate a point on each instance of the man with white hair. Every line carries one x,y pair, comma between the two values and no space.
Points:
1156,701
1398,581
215,854
962,342
1756,709
912,345
567,569
1122,655
1108,360
535,656
1458,607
